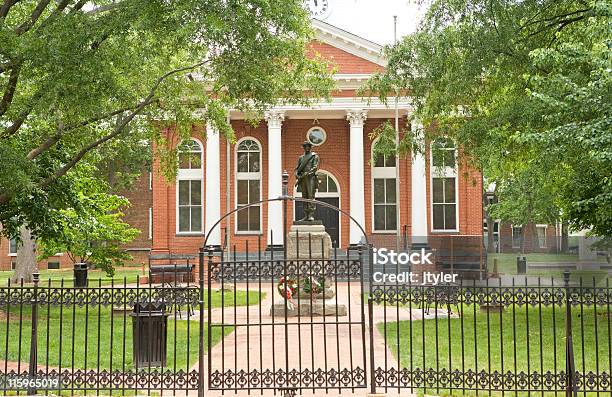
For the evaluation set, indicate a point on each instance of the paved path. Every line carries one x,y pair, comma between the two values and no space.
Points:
310,343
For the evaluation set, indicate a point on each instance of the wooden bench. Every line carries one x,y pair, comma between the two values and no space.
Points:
171,268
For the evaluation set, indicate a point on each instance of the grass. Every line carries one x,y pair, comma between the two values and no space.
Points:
127,273
82,338
506,264
538,343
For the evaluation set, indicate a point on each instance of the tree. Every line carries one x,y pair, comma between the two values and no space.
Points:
25,262
76,76
94,232
523,87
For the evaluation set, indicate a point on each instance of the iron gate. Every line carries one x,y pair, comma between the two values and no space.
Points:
290,317
285,335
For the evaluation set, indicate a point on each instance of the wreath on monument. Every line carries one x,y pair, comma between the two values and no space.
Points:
314,286
287,289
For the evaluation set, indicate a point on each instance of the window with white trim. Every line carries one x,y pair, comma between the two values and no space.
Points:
248,185
189,188
517,232
444,185
150,223
541,232
327,185
13,247
384,193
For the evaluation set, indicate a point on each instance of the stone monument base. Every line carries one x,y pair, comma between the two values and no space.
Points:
308,240
306,307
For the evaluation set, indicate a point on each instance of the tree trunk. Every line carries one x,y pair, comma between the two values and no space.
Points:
26,263
564,237
490,235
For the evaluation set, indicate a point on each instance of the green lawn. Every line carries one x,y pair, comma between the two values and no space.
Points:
89,330
128,274
427,344
506,264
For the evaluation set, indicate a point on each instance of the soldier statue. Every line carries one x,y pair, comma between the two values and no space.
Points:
306,178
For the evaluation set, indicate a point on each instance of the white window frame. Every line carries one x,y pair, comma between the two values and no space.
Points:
13,254
512,227
337,195
443,172
191,174
545,227
382,173
248,176
150,223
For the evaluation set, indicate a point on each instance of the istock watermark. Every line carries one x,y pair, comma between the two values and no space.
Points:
384,256
426,278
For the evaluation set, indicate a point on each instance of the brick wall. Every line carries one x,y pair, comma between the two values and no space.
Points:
334,155
343,61
531,240
140,196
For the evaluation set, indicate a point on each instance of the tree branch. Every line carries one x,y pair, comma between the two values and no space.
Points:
27,25
44,146
120,127
7,98
117,131
5,197
13,128
6,6
52,140
60,7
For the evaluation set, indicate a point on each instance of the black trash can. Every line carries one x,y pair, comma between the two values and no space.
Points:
150,334
521,265
80,275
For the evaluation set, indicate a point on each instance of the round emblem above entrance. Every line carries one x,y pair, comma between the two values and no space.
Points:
319,9
316,135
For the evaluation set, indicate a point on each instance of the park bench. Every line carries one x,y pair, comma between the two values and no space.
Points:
175,277
171,268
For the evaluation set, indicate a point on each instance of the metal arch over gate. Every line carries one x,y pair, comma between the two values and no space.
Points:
285,322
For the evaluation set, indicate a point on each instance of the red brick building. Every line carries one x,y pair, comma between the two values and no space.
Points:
436,195
435,198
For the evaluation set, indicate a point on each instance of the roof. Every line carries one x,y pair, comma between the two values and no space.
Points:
349,42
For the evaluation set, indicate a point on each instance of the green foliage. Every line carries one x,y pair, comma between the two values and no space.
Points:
524,87
93,232
85,81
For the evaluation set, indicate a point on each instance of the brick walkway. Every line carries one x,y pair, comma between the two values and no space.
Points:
320,343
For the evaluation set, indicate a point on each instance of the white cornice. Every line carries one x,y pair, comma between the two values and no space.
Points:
349,42
337,108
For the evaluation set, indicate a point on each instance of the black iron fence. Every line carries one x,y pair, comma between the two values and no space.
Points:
544,337
109,338
307,332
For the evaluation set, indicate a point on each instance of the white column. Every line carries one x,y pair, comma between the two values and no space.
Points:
419,192
212,204
356,169
275,177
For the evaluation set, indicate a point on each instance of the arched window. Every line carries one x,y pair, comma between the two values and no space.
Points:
327,185
190,155
384,193
444,185
248,185
189,188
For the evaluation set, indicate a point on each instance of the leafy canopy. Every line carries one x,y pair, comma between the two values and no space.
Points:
78,77
94,232
524,87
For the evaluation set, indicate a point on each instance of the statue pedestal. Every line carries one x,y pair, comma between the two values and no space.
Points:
308,240
305,307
